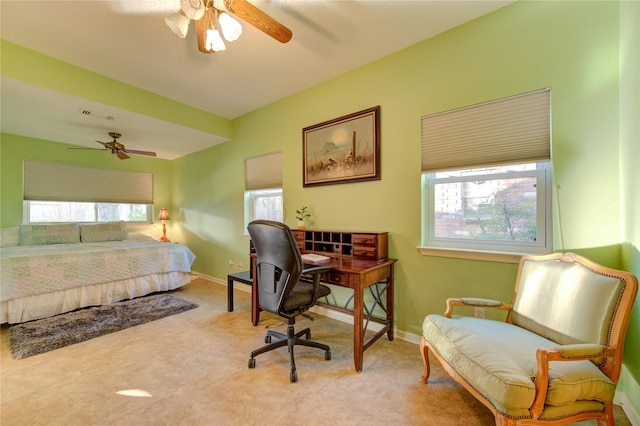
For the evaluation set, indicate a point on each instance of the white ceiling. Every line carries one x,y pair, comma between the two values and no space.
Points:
128,40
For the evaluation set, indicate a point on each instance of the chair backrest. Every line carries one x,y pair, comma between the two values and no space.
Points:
570,299
278,262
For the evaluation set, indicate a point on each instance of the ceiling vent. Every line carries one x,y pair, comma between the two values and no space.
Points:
96,114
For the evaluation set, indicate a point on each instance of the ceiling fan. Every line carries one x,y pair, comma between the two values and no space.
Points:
118,149
214,22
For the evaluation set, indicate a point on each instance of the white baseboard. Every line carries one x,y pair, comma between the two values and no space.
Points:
632,390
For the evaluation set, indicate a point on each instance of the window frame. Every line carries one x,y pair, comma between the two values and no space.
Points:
27,212
500,250
250,197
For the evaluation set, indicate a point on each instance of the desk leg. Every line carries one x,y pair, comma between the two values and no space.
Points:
229,294
255,303
358,333
390,304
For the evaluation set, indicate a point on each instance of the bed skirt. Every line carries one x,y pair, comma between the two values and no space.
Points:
49,304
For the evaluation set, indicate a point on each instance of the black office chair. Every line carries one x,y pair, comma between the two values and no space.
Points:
280,291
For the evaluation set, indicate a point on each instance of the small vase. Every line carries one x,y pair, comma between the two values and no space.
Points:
301,224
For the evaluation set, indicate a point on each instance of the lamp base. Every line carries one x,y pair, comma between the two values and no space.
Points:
164,239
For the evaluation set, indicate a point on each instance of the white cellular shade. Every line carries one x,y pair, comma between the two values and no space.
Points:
505,131
263,171
45,181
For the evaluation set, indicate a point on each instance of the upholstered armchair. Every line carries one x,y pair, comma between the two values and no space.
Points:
556,359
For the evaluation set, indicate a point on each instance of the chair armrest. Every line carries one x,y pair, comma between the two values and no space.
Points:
316,273
315,270
475,302
577,352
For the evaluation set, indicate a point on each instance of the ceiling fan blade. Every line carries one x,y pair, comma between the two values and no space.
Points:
107,145
133,151
201,34
121,155
254,16
92,149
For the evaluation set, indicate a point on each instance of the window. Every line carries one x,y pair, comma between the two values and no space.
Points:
263,195
487,177
56,192
502,208
265,204
62,211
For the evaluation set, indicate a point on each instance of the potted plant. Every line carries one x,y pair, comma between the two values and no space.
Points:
301,215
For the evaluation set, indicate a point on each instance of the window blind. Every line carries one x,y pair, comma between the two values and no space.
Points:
263,171
45,181
511,130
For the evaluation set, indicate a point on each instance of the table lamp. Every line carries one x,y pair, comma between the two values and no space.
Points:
164,215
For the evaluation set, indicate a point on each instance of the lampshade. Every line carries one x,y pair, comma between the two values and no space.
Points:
164,214
214,41
179,23
193,9
231,29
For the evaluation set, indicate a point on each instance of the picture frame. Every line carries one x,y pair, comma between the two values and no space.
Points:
342,150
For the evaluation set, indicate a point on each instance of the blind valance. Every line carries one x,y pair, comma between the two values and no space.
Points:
45,181
511,130
263,171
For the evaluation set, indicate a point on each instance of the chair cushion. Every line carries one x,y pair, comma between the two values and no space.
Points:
499,361
545,290
301,295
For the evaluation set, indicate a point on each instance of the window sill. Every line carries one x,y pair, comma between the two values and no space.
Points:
489,256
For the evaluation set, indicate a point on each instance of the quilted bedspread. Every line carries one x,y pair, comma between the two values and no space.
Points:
30,270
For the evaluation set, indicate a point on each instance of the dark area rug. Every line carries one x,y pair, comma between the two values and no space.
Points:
40,336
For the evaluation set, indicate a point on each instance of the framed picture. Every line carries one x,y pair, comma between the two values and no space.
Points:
342,150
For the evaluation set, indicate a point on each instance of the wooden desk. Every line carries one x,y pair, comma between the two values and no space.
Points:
357,274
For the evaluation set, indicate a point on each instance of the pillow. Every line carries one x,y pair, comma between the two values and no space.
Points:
64,233
139,236
105,231
10,237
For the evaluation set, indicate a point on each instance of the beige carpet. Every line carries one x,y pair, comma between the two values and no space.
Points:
191,369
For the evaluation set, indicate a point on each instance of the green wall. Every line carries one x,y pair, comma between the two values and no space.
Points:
630,177
578,49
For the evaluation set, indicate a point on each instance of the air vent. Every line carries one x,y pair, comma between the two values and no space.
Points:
95,114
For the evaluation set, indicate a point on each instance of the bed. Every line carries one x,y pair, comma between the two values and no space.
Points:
46,270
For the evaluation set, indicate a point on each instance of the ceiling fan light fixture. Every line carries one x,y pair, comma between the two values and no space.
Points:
193,9
231,29
214,41
179,23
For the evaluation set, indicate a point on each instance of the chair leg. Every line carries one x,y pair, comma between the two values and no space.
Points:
290,340
424,350
275,345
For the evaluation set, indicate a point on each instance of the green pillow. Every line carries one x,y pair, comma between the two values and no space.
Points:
64,233
105,231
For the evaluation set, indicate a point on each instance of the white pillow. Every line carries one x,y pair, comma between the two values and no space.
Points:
10,237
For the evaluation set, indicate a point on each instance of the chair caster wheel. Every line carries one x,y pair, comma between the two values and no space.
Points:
252,363
327,355
267,339
293,376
